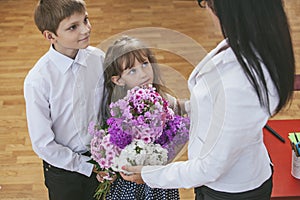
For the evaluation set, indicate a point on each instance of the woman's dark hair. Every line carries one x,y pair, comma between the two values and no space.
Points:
258,32
123,52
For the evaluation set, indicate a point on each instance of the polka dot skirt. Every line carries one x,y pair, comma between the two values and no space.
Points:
125,190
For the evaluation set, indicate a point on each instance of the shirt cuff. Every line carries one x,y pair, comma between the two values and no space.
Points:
85,167
147,176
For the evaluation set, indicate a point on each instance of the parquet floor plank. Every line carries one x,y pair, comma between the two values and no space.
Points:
21,45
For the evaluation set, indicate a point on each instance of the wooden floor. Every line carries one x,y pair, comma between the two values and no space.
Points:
179,31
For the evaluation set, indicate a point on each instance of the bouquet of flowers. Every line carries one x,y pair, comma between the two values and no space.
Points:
142,130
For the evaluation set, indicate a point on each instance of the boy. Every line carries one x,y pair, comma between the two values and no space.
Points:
63,93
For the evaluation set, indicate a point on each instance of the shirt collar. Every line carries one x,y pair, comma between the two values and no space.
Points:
225,56
63,63
209,57
81,57
211,60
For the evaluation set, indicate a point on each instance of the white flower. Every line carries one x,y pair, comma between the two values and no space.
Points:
140,153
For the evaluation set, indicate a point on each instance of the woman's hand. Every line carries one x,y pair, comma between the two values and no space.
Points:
135,174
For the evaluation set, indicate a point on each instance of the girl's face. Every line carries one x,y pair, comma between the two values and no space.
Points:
140,74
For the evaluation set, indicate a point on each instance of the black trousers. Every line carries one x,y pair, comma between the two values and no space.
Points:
261,193
66,185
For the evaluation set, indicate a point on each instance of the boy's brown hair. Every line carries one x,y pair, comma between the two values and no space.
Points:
49,13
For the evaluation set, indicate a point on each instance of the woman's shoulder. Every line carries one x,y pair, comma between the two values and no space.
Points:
229,69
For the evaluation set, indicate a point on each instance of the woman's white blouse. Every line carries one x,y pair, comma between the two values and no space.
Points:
226,150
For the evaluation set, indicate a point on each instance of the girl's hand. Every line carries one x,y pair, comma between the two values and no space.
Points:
135,174
95,170
101,174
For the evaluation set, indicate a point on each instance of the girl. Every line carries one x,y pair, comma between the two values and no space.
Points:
129,63
235,89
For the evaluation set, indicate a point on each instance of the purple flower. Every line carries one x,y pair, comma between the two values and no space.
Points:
92,128
119,137
177,128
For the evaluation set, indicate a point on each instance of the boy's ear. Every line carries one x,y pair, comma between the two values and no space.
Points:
49,36
117,80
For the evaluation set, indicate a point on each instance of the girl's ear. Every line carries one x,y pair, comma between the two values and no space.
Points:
118,80
49,36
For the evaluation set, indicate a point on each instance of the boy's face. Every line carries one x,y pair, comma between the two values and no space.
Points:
73,33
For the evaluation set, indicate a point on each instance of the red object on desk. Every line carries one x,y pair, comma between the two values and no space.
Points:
284,184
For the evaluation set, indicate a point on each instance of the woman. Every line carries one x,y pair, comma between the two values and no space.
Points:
235,89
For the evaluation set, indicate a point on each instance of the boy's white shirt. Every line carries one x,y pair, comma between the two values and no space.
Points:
62,96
